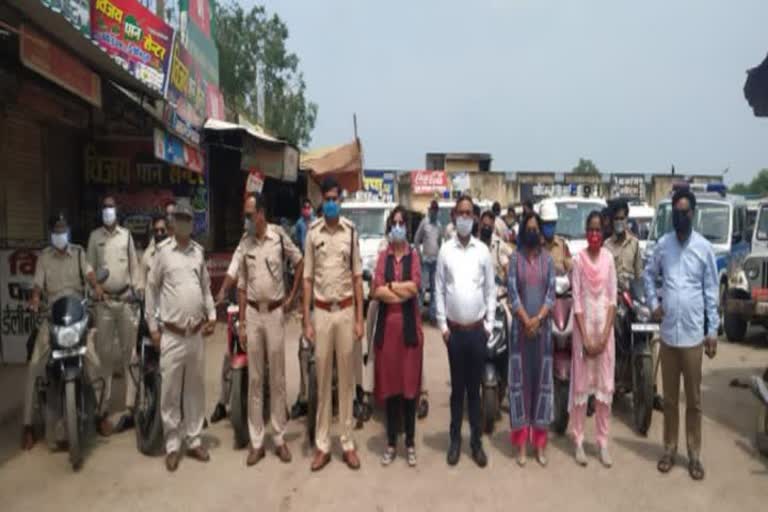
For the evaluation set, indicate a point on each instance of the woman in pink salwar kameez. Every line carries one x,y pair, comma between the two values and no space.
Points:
593,284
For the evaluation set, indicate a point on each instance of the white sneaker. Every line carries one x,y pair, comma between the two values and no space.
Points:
605,457
581,457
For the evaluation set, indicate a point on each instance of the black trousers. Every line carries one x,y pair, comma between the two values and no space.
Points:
395,406
466,356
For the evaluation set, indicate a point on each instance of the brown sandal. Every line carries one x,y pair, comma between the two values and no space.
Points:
666,463
696,469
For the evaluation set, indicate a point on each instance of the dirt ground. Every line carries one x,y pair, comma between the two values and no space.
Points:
116,477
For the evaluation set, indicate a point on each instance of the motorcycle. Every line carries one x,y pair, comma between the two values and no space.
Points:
760,389
562,331
495,375
67,392
146,377
634,336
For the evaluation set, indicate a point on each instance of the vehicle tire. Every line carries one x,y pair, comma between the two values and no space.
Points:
735,327
311,403
560,422
73,425
642,393
238,407
489,401
761,434
149,422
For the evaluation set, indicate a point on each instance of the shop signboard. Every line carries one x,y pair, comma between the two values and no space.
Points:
173,150
135,38
142,185
17,267
77,12
379,184
628,186
42,55
428,182
254,183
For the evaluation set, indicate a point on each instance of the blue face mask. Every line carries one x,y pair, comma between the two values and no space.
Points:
330,209
548,230
397,233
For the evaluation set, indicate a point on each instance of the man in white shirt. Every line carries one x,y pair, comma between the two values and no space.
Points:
466,303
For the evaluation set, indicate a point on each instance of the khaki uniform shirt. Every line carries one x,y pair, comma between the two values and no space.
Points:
58,274
332,259
261,269
115,251
500,228
180,286
626,257
233,270
500,253
561,255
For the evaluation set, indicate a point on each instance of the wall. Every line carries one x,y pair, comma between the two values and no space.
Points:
462,165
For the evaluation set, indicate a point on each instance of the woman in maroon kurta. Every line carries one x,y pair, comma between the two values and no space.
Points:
398,339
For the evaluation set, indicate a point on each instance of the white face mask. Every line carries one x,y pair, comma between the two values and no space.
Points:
60,240
109,215
464,226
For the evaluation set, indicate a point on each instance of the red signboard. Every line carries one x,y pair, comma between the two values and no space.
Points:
59,66
429,182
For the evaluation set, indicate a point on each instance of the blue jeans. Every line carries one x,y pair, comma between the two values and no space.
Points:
428,270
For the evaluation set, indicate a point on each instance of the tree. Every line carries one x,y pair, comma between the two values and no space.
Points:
585,166
758,185
259,76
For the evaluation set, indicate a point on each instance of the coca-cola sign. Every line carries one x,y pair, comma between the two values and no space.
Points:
429,182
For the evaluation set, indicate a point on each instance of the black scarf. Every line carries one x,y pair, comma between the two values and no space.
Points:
410,336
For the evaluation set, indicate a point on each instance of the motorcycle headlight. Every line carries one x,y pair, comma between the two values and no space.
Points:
753,273
562,285
643,313
69,336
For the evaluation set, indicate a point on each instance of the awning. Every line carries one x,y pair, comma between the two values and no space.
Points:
65,33
344,162
756,89
216,125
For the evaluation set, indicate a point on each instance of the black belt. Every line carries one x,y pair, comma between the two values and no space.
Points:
265,305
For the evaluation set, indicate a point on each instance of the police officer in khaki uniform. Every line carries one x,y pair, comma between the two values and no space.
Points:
500,250
555,245
111,247
333,279
262,325
180,287
624,247
61,270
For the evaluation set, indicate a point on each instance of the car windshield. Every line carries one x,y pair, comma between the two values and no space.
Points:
762,224
572,218
370,222
711,220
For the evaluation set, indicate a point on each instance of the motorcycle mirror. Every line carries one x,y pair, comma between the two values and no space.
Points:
102,274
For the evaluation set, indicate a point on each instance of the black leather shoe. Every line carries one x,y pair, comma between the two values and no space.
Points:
124,423
219,413
478,455
454,451
298,410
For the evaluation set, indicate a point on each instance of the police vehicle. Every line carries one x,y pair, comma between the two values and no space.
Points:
721,218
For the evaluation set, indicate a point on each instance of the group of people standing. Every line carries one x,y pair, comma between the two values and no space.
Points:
461,267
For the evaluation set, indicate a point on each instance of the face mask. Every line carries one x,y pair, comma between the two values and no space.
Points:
548,230
464,226
330,209
160,237
60,240
619,226
306,213
681,222
594,239
249,226
109,215
486,233
184,228
397,233
531,238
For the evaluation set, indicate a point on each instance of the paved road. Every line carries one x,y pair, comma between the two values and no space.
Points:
117,478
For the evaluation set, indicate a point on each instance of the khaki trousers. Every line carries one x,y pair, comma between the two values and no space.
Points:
39,359
181,369
334,333
674,362
266,339
116,327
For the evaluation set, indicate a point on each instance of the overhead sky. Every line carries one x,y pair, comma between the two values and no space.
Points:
634,86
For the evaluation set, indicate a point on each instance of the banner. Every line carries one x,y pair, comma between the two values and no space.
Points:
76,12
628,186
135,38
17,267
379,184
429,182
173,150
